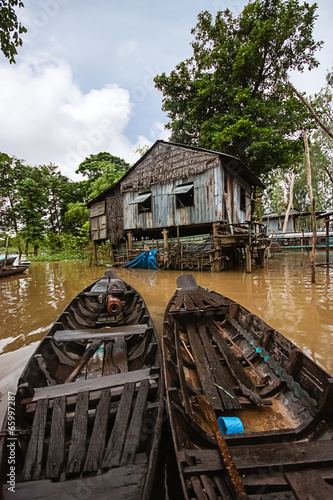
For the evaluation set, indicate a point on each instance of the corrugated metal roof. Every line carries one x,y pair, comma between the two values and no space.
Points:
182,189
141,198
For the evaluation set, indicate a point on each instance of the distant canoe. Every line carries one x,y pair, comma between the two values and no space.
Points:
12,270
224,365
89,403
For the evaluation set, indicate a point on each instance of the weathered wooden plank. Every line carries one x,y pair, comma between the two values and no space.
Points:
109,368
181,374
134,428
33,459
203,368
99,333
227,394
245,383
196,296
119,354
44,369
309,484
56,449
178,302
115,445
188,302
95,363
84,359
97,440
209,487
197,487
123,483
91,385
79,434
283,454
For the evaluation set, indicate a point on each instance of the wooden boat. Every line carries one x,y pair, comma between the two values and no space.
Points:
9,260
12,270
222,361
89,404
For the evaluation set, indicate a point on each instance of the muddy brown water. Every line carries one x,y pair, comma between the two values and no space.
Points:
281,294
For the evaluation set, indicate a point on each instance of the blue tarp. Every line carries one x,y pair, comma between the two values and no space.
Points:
146,260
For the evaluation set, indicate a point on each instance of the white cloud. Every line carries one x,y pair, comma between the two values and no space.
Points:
47,118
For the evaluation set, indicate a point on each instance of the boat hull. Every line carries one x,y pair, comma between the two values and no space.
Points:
216,349
87,413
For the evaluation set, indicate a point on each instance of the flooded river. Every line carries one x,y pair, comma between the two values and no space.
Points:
280,293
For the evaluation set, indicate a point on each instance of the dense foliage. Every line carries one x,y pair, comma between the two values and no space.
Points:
231,95
43,208
10,29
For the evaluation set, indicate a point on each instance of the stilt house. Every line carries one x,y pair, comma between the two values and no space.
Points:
173,192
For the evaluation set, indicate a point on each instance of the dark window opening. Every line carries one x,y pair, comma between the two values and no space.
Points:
184,195
242,200
143,201
145,206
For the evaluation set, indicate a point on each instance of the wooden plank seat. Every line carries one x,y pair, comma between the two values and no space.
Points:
94,384
122,483
86,454
99,333
251,459
286,455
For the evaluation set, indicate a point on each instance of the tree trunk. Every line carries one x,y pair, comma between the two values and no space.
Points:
313,211
291,191
26,248
312,111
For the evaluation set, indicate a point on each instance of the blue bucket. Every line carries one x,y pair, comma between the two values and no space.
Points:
230,425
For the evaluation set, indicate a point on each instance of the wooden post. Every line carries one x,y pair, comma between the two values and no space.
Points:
111,255
165,233
95,252
248,259
129,238
217,261
327,241
313,210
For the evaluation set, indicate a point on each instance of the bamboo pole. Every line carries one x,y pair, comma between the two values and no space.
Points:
312,112
313,210
290,202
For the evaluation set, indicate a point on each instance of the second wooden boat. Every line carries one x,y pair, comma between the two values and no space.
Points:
12,270
223,363
88,409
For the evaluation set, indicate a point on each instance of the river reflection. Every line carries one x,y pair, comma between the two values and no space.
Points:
280,293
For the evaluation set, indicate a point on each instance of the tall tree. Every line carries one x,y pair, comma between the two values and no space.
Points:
10,29
95,165
232,94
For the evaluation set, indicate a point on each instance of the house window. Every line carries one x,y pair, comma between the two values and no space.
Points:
184,195
242,200
143,201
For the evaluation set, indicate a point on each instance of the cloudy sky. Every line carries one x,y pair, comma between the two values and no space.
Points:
83,81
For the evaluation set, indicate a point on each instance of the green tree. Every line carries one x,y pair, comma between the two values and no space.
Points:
12,172
76,215
10,29
96,165
231,95
32,208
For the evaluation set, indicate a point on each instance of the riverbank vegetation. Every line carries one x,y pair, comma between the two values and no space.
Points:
44,212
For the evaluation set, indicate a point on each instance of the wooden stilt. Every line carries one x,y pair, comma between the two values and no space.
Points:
95,252
327,241
248,259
